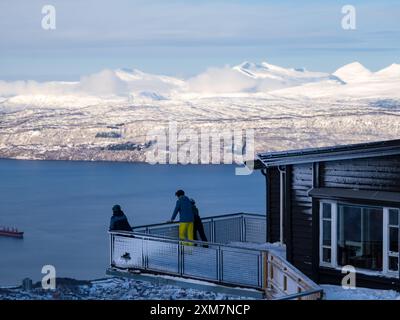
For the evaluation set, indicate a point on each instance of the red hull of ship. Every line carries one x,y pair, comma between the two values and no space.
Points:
11,234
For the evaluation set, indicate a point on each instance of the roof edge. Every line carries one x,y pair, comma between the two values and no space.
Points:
339,152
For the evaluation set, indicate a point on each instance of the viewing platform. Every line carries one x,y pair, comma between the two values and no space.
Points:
236,259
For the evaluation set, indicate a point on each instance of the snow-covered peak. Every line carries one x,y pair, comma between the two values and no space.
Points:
262,70
267,70
126,74
302,69
353,72
129,74
392,71
274,68
249,69
246,65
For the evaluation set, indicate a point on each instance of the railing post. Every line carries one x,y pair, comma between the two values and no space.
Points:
244,236
111,249
265,269
212,230
144,265
219,264
180,258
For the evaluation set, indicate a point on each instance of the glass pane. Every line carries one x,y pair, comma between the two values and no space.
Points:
326,210
394,239
326,255
393,264
360,237
326,233
393,217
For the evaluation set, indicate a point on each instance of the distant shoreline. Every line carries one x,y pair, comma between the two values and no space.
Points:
117,161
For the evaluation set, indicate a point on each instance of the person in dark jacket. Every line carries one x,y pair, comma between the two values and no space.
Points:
119,221
186,217
198,224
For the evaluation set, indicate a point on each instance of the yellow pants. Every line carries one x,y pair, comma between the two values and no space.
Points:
186,232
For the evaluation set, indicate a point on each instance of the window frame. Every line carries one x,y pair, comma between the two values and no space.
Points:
386,241
334,243
333,246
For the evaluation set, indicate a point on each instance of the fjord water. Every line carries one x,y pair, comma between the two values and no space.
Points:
64,208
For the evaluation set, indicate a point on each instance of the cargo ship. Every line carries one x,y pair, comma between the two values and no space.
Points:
11,232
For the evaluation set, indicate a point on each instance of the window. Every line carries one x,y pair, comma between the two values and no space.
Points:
327,226
327,230
362,236
360,240
392,243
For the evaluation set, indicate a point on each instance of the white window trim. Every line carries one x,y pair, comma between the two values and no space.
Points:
386,252
334,234
334,264
333,246
385,261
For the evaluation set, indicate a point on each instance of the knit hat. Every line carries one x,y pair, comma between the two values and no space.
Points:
116,208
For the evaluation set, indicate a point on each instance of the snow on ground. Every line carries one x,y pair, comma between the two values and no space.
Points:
128,289
106,116
104,132
338,293
111,289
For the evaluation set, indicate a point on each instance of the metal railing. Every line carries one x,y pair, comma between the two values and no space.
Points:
157,249
210,262
235,227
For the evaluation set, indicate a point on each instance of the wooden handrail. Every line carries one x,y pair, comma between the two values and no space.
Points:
284,272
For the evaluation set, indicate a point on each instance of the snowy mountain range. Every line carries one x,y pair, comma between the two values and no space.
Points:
131,85
105,116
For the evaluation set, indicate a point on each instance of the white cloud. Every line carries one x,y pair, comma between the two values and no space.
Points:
103,83
221,80
31,87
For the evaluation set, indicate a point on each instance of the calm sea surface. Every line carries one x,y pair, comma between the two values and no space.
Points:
64,208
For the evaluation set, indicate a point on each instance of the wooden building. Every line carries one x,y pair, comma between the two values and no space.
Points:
337,206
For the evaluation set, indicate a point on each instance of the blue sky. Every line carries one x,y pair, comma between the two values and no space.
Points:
185,37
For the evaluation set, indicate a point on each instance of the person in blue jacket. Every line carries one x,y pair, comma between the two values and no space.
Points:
186,216
119,221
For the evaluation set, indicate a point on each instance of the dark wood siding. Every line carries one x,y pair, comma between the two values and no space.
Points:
301,234
364,174
301,211
274,204
330,276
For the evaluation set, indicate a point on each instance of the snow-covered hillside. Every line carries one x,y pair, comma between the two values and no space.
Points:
106,115
111,289
129,289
